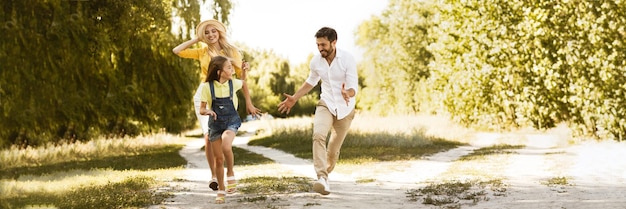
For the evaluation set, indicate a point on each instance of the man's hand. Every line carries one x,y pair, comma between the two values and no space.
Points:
345,94
287,104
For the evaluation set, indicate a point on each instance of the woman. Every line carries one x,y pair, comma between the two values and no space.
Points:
212,36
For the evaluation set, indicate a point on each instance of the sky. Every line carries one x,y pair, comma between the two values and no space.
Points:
288,27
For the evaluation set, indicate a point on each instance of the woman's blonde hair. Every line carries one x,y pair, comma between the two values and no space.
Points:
227,47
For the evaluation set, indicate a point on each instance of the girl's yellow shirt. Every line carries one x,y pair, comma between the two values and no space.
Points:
221,90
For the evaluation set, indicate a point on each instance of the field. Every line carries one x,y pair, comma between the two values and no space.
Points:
393,162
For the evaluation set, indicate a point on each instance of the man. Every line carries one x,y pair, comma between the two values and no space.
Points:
335,110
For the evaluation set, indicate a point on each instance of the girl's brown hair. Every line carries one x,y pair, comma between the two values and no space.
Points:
217,63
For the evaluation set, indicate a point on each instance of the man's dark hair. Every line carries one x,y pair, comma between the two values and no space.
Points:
328,33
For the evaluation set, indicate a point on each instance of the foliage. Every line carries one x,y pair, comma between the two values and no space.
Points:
501,64
272,76
74,70
397,57
540,63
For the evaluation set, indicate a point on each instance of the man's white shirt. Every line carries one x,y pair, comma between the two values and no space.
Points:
341,70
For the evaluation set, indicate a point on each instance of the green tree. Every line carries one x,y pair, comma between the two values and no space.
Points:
500,64
537,63
74,70
397,58
271,76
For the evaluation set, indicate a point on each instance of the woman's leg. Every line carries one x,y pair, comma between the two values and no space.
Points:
204,124
208,151
219,161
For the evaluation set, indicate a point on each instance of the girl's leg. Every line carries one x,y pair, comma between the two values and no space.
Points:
227,148
219,168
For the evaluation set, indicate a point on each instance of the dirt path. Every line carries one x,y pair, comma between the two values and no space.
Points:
596,174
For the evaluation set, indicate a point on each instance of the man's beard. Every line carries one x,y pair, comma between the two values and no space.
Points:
328,53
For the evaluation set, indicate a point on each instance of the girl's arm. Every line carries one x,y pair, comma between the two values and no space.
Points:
206,111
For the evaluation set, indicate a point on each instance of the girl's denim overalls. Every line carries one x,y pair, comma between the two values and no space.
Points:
227,116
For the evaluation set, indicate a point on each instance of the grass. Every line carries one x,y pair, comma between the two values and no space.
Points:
480,181
359,146
484,152
268,189
82,151
131,192
125,173
104,173
558,184
161,157
452,194
557,181
275,185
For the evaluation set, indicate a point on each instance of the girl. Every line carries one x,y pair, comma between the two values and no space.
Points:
219,103
212,34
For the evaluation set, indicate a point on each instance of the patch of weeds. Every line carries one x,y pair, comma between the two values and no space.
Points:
439,200
311,204
271,206
363,181
558,184
474,195
266,188
261,198
556,181
454,193
253,199
495,185
482,153
179,180
274,185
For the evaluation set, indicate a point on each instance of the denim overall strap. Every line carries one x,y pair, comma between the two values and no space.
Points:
230,85
212,90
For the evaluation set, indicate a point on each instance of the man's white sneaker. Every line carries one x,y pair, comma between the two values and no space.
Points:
321,186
